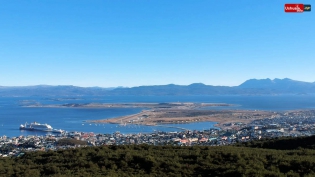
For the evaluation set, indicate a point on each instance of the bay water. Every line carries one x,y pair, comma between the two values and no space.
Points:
13,114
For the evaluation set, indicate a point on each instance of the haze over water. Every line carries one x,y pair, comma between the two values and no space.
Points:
73,119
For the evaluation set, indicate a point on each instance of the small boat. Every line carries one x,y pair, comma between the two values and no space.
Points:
57,131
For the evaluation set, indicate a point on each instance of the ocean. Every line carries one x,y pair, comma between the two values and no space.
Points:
12,114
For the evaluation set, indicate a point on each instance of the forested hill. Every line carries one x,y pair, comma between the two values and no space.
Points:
249,87
282,143
147,160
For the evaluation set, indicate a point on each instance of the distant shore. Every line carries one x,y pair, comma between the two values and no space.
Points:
185,105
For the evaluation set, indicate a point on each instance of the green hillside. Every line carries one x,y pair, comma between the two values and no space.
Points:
145,160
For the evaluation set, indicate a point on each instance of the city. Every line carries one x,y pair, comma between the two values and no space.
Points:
288,124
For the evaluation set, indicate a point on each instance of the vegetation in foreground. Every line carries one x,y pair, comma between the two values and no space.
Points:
145,160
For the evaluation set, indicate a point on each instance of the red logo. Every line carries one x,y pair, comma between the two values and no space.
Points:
293,7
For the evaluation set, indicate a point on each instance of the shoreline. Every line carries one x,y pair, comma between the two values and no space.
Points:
183,105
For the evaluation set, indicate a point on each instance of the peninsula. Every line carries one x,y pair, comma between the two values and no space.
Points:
179,113
236,118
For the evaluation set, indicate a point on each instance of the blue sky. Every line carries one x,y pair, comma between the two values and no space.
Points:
153,42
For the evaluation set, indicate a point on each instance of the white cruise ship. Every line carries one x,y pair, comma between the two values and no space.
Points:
36,126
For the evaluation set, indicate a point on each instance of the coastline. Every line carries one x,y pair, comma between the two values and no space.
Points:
184,105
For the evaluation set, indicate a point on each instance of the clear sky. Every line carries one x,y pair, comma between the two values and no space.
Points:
153,42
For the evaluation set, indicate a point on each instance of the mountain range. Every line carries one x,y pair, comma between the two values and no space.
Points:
249,87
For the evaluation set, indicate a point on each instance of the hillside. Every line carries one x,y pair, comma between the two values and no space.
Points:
145,160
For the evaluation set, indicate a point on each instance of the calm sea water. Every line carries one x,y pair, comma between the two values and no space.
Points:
73,119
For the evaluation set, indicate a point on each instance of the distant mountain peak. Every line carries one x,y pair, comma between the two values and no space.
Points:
285,84
197,84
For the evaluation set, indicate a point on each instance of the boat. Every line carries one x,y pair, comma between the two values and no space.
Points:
58,131
36,126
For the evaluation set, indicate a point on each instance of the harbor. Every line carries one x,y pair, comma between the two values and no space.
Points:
289,124
12,114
